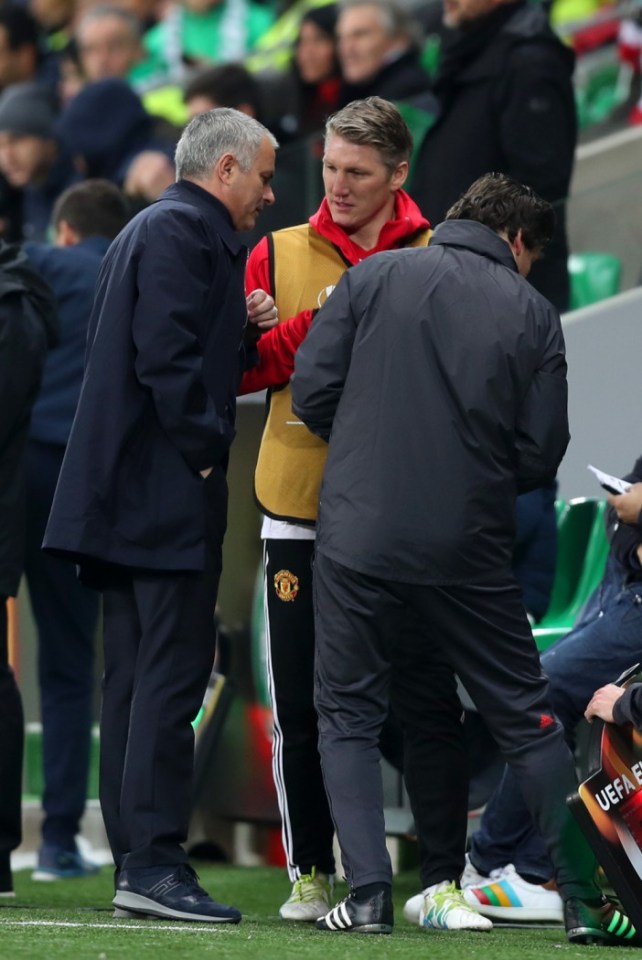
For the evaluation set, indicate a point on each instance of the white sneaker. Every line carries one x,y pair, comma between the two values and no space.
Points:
508,896
471,877
311,898
444,908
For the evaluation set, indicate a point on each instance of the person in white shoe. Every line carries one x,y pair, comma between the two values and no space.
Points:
438,378
365,211
513,868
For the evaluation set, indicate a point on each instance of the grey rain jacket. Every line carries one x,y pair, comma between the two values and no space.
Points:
440,378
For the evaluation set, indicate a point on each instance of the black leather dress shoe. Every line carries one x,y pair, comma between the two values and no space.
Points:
171,893
360,916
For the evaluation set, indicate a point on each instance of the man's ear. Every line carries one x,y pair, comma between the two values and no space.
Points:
518,243
226,167
400,175
65,235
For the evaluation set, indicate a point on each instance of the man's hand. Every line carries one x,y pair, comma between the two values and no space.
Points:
205,473
603,701
627,505
261,310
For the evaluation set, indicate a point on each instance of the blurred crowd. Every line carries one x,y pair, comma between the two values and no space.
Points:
96,89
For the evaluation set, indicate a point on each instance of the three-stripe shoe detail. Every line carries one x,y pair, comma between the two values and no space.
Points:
338,918
374,915
620,926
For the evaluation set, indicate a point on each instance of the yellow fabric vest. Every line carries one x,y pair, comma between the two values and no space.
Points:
305,269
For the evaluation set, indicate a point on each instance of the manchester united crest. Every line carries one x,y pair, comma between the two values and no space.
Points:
286,585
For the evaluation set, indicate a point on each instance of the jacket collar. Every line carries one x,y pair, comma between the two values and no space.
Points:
476,237
189,192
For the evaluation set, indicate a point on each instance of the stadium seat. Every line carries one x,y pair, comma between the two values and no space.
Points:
582,553
593,277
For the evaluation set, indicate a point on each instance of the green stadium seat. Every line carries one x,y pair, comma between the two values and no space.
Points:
593,277
582,553
601,90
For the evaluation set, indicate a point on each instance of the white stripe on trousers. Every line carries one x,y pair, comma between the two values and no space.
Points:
277,741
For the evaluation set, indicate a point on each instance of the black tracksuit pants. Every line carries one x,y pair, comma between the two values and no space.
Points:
482,632
433,734
307,827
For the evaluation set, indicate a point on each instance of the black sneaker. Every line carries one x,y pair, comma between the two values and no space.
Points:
169,893
360,916
605,924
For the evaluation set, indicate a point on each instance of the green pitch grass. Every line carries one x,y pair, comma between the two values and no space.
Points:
72,920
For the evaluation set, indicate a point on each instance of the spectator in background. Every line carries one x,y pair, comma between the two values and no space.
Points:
505,93
299,101
27,329
32,157
110,135
85,220
72,78
225,85
198,32
378,52
108,38
54,18
22,58
22,54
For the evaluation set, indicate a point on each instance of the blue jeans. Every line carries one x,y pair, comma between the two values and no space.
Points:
606,640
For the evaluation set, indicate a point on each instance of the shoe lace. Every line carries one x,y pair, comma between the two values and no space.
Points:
188,875
449,898
307,887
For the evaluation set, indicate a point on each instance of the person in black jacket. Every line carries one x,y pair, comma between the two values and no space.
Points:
27,330
378,53
440,378
506,103
141,502
85,220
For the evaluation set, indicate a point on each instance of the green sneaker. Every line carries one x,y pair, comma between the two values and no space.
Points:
444,908
310,899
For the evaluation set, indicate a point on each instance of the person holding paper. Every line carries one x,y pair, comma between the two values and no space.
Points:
605,641
628,506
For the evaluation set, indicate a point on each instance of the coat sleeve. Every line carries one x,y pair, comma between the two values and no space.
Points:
276,350
625,538
322,361
170,322
542,433
276,347
628,709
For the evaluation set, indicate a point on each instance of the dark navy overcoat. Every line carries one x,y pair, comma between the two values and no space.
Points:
157,404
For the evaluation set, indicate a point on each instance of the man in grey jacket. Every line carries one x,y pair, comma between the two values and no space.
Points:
440,375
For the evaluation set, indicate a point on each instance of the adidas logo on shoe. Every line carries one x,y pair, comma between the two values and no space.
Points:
603,925
374,915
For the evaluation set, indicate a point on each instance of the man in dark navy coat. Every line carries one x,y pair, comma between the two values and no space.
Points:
142,499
